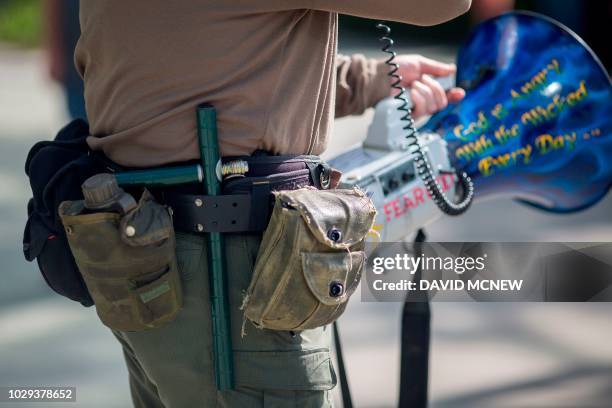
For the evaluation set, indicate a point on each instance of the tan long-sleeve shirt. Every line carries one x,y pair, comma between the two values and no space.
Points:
268,66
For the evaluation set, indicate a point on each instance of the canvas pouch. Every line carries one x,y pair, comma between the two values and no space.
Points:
311,258
127,262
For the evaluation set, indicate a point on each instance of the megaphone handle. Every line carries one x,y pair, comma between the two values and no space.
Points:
421,160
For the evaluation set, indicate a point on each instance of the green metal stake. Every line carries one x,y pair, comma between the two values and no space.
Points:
222,339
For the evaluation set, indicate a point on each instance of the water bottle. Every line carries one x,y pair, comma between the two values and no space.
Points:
103,194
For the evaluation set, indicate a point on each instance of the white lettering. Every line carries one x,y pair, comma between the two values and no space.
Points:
491,285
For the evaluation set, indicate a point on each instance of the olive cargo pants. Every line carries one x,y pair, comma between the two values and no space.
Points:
172,366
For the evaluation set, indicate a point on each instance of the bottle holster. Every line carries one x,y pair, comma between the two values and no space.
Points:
127,262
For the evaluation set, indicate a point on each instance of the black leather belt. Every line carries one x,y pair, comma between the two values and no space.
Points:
198,213
246,203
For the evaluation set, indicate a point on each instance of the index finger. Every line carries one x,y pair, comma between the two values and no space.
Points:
436,68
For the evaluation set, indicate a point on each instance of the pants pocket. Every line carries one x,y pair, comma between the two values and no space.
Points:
285,370
297,378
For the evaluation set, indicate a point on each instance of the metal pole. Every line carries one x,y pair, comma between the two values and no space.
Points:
222,340
414,363
162,177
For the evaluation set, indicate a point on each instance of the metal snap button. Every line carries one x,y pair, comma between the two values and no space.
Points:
334,234
130,231
336,289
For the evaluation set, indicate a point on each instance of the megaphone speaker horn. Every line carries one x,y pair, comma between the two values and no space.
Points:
535,122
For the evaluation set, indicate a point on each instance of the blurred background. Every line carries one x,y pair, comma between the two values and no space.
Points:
494,355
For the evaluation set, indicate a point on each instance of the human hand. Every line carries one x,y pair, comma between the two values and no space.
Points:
427,95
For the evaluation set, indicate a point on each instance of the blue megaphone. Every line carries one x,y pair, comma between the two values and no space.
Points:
536,121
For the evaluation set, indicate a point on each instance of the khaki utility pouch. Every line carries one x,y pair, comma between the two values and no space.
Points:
311,258
128,263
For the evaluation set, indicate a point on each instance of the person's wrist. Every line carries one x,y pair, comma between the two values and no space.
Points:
381,82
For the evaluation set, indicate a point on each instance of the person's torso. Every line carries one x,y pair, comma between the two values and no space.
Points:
269,73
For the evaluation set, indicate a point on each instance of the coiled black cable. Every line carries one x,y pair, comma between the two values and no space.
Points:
422,162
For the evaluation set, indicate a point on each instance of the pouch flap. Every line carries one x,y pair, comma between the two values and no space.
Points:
35,234
147,224
332,276
337,218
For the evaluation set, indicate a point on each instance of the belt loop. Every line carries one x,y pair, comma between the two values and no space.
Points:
260,205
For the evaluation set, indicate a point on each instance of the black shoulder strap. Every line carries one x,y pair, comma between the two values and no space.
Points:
344,387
